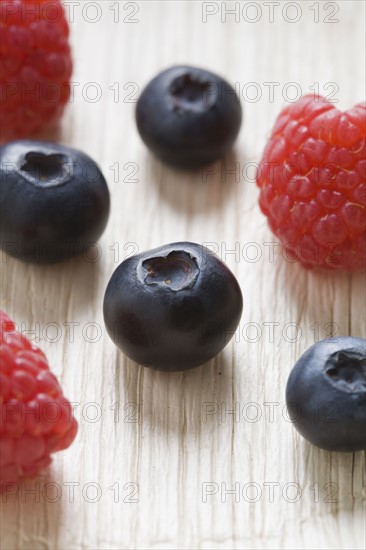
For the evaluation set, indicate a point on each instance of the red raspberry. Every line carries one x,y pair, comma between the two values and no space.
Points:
36,419
312,178
35,66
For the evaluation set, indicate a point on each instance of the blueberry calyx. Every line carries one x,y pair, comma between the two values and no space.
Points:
46,170
347,371
177,271
189,93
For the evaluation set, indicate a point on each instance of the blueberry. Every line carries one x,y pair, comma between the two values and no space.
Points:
188,116
326,394
172,308
54,201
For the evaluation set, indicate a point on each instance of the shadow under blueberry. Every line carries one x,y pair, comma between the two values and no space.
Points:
177,402
335,479
198,190
57,280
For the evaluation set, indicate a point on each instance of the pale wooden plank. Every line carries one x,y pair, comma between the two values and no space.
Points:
174,448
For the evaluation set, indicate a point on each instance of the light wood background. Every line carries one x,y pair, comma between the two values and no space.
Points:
151,432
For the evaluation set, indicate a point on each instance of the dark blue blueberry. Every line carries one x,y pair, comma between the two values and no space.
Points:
326,394
54,201
188,116
172,308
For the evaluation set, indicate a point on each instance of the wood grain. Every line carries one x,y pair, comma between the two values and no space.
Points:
170,435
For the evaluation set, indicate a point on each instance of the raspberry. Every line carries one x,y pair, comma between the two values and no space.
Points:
35,66
36,419
313,183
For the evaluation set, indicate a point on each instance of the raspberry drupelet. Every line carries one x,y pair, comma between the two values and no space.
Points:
36,419
35,66
313,183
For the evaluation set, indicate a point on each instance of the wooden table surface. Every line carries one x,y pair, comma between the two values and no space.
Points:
158,456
